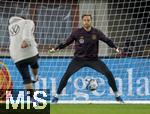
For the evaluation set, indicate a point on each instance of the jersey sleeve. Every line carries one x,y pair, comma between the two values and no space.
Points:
28,30
69,40
102,37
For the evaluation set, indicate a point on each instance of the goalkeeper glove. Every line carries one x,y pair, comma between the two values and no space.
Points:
117,50
51,50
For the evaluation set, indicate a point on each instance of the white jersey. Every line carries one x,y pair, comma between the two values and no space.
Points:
20,30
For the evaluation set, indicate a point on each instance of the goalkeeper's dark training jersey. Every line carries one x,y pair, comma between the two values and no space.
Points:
86,43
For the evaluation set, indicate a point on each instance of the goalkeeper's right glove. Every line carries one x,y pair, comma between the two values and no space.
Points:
117,50
51,50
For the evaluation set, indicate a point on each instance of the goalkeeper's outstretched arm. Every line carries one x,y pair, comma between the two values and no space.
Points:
69,40
108,41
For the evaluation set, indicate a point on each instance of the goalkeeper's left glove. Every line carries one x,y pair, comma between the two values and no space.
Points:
117,50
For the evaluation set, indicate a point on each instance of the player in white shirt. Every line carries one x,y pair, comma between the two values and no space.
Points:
23,49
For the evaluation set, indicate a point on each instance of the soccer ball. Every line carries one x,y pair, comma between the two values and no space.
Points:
92,84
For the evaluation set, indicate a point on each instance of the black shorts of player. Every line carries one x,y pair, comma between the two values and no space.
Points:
23,67
97,65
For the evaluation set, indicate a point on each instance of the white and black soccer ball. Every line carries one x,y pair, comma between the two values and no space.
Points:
92,84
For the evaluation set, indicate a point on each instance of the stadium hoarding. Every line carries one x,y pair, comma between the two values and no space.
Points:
131,75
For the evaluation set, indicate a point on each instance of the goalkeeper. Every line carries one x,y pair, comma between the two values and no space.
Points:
23,49
86,54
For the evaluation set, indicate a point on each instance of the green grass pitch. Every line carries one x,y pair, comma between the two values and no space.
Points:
100,109
84,109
